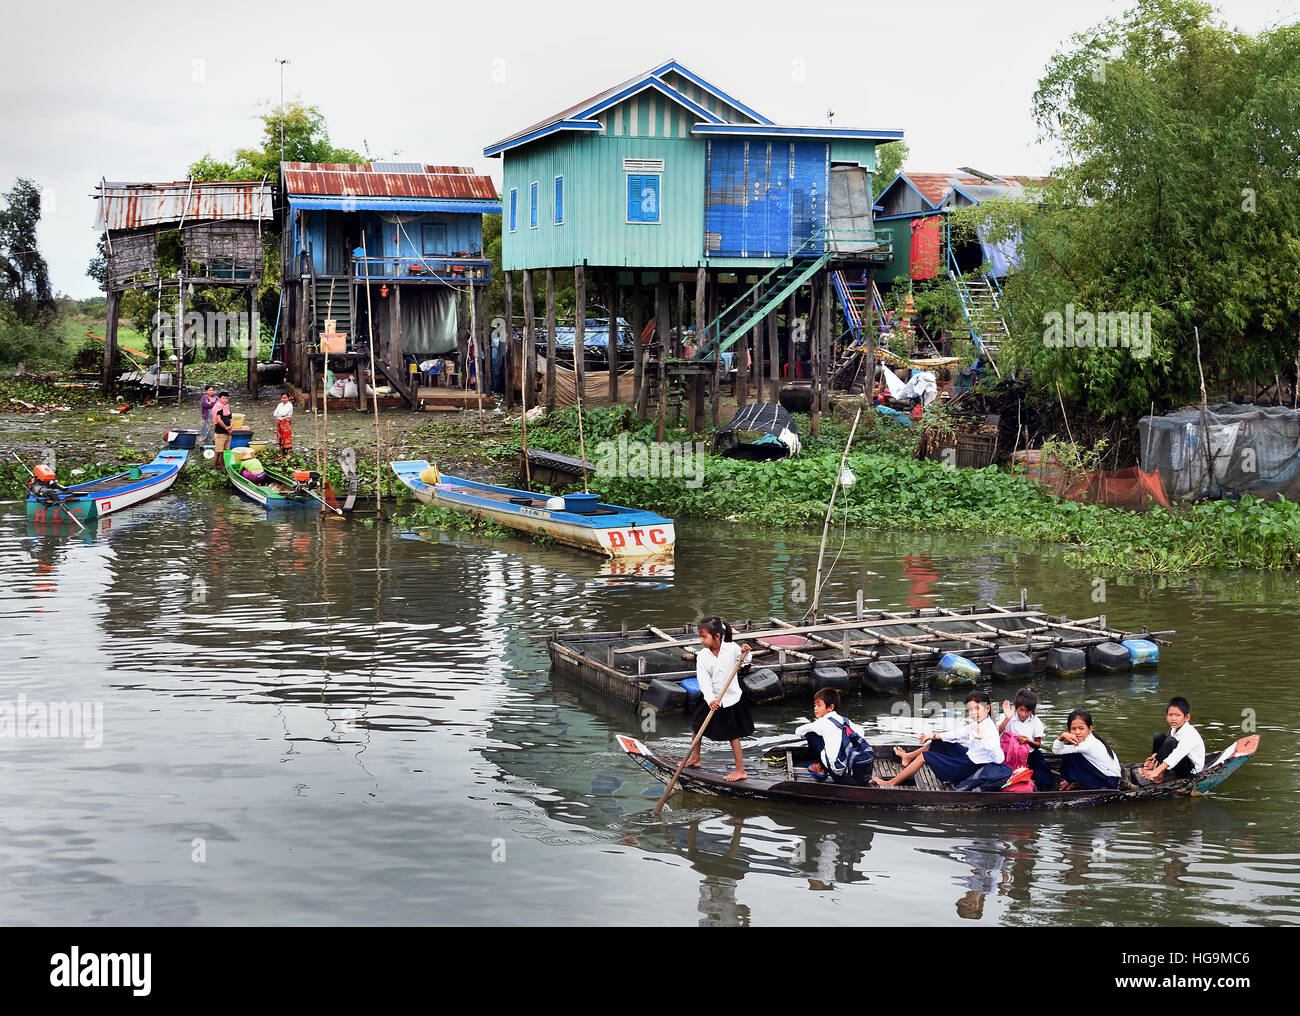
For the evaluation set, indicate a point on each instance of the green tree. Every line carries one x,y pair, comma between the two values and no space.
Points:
306,139
889,163
24,275
1180,143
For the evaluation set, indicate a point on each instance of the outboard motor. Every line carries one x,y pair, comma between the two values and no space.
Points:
44,487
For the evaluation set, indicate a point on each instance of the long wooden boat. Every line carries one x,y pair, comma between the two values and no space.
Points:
780,782
277,493
608,529
93,500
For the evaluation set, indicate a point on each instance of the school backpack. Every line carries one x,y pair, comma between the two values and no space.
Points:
856,757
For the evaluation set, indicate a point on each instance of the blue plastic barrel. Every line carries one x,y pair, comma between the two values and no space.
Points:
1142,652
956,670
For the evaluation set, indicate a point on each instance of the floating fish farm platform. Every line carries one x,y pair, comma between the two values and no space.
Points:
870,651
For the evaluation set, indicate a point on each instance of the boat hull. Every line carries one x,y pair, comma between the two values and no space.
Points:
781,789
97,498
618,532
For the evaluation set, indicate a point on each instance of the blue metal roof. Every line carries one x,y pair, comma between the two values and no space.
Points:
774,130
368,204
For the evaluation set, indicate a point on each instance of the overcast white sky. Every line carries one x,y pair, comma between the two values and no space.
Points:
138,90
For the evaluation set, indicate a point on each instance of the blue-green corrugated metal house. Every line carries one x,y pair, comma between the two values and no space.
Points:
665,170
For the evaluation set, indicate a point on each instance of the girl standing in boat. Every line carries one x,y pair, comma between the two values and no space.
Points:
714,663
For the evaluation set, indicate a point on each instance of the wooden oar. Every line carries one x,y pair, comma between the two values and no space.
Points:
703,726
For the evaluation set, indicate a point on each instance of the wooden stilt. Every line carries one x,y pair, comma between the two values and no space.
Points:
530,342
550,340
108,373
662,328
614,308
510,341
638,351
715,396
580,331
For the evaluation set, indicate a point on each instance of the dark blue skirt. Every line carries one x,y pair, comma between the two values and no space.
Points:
949,761
1043,778
1077,769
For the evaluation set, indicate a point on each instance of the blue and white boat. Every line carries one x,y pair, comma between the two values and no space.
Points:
97,498
578,520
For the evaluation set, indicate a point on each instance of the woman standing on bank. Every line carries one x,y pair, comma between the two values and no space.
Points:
714,663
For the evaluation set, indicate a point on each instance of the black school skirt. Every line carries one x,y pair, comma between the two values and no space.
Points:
728,724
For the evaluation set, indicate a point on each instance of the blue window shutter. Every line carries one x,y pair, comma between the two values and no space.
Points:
559,200
532,204
514,208
643,197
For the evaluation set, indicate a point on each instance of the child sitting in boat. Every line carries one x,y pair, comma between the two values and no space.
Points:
718,658
251,469
1087,762
1022,737
955,757
1181,751
842,754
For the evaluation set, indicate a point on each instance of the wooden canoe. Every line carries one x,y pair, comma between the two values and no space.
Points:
608,529
277,493
97,498
773,780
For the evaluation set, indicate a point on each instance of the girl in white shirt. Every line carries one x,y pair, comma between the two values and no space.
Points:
1022,737
718,658
1087,762
954,757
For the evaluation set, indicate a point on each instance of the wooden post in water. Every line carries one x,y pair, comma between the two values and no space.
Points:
550,340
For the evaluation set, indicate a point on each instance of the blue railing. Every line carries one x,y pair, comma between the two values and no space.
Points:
420,269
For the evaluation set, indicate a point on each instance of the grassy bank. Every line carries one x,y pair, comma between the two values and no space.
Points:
894,491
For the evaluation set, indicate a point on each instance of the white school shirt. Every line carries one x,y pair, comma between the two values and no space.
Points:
832,736
1091,749
712,673
1190,745
982,742
1032,728
284,411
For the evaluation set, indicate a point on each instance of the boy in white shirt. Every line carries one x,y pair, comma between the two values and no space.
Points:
826,736
1181,752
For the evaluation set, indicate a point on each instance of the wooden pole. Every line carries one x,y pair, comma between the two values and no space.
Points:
550,340
510,341
108,374
662,345
580,336
814,330
530,343
830,507
638,358
612,294
715,396
824,357
476,343
742,363
254,340
374,395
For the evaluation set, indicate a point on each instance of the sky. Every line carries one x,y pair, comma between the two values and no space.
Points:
139,90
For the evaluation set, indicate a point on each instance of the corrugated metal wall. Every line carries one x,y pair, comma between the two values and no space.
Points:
765,198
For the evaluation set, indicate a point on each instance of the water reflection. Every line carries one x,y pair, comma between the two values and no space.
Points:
352,717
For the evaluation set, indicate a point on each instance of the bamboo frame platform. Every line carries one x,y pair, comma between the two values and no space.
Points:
623,664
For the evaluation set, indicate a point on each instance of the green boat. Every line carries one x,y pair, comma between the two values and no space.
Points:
276,492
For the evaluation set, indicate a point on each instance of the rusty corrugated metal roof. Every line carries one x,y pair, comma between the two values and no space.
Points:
363,180
142,205
935,186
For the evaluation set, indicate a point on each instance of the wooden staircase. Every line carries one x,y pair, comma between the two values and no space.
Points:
336,305
763,297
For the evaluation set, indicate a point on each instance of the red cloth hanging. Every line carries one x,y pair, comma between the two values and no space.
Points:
926,242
